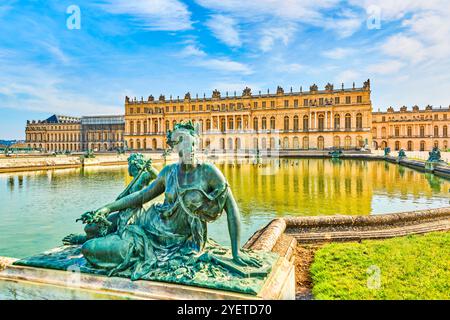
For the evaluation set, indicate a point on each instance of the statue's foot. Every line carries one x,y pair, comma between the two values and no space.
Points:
72,239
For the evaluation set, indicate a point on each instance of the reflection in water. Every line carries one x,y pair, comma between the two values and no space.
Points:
39,208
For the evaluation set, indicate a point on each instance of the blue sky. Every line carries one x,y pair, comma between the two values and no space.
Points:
143,47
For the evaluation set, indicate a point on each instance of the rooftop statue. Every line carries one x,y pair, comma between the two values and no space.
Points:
175,230
247,92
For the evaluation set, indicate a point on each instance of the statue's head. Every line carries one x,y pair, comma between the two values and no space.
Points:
136,162
184,140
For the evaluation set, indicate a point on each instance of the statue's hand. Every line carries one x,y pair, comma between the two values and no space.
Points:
98,216
243,259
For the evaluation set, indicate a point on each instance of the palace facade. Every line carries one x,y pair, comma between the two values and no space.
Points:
411,130
301,120
314,119
65,133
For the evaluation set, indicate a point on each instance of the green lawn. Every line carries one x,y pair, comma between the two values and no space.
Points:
412,267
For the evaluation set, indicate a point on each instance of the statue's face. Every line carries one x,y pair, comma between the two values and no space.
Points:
185,145
133,170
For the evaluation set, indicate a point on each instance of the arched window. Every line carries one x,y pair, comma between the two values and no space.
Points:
155,126
383,132
359,121
272,143
286,143
397,145
397,131
138,129
436,144
255,143
295,123
422,145
167,125
337,121
222,143
263,143
237,144
348,142
239,123
208,124
321,122
444,131
255,124
348,121
138,144
222,124
230,144
231,124
264,123
154,144
436,131
295,143
410,146
272,123
131,127
286,123
305,123
422,131
337,142
131,145
145,144
145,127
305,143
320,143
374,132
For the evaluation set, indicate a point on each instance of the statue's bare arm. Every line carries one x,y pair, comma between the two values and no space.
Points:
139,198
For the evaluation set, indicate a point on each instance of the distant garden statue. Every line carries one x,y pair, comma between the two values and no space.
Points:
434,155
89,154
387,150
335,153
401,154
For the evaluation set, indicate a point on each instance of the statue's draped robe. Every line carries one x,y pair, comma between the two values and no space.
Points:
170,230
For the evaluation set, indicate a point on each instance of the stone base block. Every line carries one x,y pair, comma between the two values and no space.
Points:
30,283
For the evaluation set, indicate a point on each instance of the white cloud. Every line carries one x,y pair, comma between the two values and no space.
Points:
385,67
346,24
191,50
404,47
224,65
168,15
225,29
347,77
338,53
271,34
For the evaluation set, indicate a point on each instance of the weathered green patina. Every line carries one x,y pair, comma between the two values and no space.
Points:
387,150
168,241
434,155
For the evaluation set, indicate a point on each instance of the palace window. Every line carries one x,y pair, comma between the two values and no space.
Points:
208,124
295,103
138,110
348,100
409,145
295,123
222,124
167,125
305,123
181,108
193,107
272,104
359,99
272,123
320,101
174,108
409,131
286,123
200,107
286,103
131,110
374,132
263,104
436,131
444,131
422,131
264,123
337,100
436,117
337,121
255,105
305,102
359,121
255,124
321,122
397,131
238,123
348,121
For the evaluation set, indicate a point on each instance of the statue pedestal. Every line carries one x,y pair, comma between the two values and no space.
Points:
22,282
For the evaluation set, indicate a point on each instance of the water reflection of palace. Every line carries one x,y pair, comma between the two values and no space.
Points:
323,186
